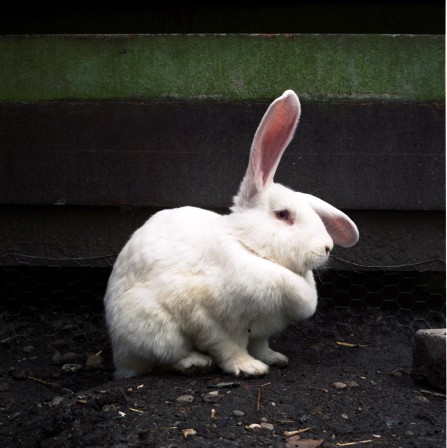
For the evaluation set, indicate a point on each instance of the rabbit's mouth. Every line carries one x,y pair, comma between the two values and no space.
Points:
318,259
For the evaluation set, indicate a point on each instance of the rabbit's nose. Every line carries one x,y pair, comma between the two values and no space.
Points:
328,246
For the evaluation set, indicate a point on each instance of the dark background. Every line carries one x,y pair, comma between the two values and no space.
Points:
383,17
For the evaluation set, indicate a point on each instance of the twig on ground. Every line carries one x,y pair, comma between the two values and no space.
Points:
319,388
347,344
45,383
360,442
295,433
434,394
258,401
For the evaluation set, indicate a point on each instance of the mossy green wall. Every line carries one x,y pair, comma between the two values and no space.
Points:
321,68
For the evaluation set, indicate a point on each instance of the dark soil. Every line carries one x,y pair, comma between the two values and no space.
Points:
42,405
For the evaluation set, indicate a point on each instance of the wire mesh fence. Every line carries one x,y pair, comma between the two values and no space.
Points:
410,297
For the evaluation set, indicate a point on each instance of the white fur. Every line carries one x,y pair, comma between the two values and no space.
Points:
192,287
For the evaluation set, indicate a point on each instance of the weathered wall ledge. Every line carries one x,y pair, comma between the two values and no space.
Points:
356,156
222,67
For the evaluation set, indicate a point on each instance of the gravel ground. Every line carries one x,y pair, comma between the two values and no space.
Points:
348,384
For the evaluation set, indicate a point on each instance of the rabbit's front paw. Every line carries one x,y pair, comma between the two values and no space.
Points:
194,362
272,358
259,348
246,366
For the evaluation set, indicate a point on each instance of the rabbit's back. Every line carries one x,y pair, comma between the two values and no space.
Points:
174,241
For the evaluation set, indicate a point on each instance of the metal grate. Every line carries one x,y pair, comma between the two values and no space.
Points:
411,299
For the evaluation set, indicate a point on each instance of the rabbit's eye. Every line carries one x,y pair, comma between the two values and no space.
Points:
284,215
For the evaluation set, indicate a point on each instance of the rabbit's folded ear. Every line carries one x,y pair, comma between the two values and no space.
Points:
340,227
271,139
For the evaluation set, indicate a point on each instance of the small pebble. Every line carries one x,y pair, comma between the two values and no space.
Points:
109,407
238,413
226,385
28,348
212,397
56,360
390,423
66,391
71,368
254,426
304,418
56,400
268,426
185,399
94,362
345,384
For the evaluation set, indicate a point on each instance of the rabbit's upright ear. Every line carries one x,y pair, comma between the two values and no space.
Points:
340,227
271,139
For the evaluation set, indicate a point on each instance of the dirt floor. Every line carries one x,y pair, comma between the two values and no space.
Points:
348,384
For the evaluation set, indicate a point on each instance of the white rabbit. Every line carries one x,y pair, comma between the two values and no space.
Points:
192,287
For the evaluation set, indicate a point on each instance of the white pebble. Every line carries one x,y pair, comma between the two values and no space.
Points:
185,399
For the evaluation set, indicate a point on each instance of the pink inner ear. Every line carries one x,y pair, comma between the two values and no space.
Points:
340,227
272,137
342,231
270,141
275,138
